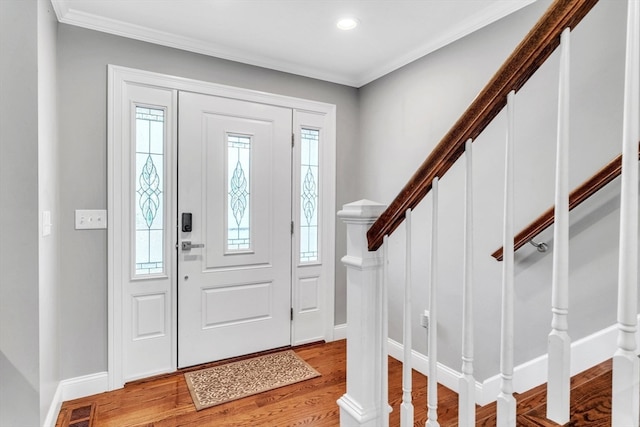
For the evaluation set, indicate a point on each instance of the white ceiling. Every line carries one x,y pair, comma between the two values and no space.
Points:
295,36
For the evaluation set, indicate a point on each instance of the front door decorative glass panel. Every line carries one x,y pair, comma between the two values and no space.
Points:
309,195
149,206
238,206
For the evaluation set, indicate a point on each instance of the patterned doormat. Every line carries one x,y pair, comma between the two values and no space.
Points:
235,380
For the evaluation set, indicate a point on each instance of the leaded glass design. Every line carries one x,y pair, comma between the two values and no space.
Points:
149,191
309,195
238,207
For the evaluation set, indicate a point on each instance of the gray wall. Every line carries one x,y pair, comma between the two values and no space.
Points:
82,70
406,113
19,368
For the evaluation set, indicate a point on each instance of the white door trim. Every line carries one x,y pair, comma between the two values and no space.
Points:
118,77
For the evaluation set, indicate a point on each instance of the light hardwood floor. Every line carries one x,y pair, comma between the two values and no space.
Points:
165,401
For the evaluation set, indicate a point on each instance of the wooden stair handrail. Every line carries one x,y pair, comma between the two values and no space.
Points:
591,186
528,56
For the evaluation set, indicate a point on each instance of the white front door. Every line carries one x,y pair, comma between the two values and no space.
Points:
234,227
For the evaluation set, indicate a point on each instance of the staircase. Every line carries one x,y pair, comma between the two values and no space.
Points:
370,225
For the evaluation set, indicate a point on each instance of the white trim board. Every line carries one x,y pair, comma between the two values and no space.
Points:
446,376
340,332
585,353
74,388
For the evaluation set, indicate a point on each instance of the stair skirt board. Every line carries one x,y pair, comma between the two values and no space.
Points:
585,353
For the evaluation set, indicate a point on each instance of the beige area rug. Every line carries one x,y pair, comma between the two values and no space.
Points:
235,380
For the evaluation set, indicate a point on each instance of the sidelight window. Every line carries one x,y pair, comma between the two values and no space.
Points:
309,195
149,191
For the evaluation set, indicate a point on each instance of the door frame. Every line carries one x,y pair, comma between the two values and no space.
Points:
118,208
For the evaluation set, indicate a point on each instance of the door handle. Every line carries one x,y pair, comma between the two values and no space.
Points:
187,245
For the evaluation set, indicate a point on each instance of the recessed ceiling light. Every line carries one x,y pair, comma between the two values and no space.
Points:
347,23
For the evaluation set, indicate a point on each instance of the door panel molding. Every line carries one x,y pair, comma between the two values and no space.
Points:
304,328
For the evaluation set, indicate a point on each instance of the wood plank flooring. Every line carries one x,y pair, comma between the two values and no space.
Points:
165,401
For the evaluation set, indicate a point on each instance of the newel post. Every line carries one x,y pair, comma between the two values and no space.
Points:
364,403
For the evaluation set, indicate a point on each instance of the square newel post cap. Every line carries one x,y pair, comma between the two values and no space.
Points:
362,210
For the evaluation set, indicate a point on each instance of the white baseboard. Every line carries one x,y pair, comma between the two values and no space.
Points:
54,408
86,385
585,353
446,376
340,332
74,388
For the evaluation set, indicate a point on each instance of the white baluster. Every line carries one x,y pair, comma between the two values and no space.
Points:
384,403
626,369
559,343
506,407
467,383
432,405
406,409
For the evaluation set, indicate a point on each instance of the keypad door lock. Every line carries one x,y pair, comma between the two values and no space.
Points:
187,222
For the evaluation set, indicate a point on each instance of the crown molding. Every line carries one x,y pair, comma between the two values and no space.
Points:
496,12
70,16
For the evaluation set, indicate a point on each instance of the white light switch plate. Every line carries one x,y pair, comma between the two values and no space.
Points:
46,223
91,219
